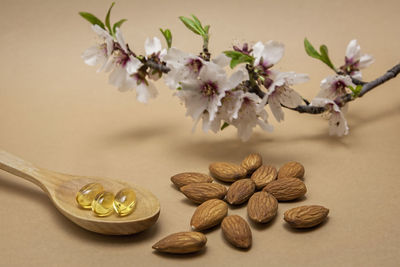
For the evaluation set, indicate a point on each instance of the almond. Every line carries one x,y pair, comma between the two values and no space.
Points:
237,231
286,189
209,214
186,178
252,162
263,175
306,216
227,172
262,207
240,191
181,243
291,169
201,192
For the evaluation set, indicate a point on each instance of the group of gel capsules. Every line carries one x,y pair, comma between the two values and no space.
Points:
103,203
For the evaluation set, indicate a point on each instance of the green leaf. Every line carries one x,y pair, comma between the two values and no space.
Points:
238,58
118,24
168,36
207,28
356,91
92,19
224,125
325,57
192,25
310,50
196,20
108,19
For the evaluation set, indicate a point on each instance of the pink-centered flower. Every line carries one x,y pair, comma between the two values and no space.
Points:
243,111
184,66
250,114
337,122
127,73
268,54
155,52
100,53
335,86
355,61
280,92
203,94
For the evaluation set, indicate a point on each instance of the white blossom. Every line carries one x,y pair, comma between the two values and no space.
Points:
354,60
155,52
280,93
335,86
100,53
250,114
127,75
204,93
241,110
337,122
184,66
125,65
267,54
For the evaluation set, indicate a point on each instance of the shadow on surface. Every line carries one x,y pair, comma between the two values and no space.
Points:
305,230
262,226
181,256
358,121
141,132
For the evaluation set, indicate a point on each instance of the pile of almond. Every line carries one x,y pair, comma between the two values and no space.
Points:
261,186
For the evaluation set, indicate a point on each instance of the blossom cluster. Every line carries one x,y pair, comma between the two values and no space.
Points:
216,97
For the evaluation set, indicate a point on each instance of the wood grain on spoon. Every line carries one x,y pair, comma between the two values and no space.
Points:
62,188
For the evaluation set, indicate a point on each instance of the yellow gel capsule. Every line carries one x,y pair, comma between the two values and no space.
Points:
125,202
86,194
102,204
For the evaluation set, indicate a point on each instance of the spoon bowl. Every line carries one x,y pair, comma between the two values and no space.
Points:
62,189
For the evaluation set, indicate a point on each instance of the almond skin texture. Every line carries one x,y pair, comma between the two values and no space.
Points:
181,243
252,162
227,172
240,191
306,216
263,175
262,207
237,231
291,169
209,214
185,178
286,189
201,192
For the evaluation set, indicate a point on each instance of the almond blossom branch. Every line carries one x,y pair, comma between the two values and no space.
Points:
157,66
341,101
390,74
217,99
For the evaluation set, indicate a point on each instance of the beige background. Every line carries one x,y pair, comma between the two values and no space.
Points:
58,113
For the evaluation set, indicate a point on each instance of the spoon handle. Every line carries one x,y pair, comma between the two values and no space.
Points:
22,168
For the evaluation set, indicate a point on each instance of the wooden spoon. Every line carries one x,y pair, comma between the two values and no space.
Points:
62,188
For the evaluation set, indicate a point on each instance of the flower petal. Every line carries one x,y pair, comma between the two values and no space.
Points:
353,50
236,78
152,45
290,98
133,65
222,60
273,52
338,124
118,78
365,61
275,106
258,49
93,55
120,39
144,92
